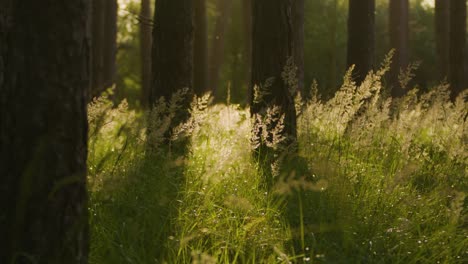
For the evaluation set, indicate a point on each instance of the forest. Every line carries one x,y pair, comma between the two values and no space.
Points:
233,131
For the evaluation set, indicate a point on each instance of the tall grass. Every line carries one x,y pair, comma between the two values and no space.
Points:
376,181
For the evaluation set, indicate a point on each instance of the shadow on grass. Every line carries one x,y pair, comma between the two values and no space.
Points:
131,213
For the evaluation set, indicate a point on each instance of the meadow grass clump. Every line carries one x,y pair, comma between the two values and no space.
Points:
375,180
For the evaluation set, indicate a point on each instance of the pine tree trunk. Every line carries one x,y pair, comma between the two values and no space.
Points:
298,47
361,37
332,49
272,46
97,47
104,45
200,56
399,39
247,19
217,44
457,46
172,52
44,77
442,35
145,49
110,46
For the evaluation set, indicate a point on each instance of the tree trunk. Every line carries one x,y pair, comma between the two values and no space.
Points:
272,47
333,10
110,46
247,19
172,52
145,49
200,56
217,44
442,35
298,47
44,77
457,46
97,48
399,38
104,45
361,37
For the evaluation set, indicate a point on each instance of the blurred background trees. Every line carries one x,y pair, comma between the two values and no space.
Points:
418,30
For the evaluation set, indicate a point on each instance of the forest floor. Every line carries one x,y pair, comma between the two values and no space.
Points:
387,185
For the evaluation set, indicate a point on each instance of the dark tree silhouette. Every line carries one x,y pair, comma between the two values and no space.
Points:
298,47
361,37
247,30
172,52
457,46
442,35
272,47
104,45
44,78
200,55
399,39
145,49
217,43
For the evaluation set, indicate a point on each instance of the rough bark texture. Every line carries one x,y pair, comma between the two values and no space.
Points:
43,131
272,46
217,44
361,37
104,45
145,49
172,51
457,46
399,39
200,56
442,35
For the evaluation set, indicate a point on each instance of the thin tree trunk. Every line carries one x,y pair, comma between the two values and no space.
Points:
104,45
173,53
298,47
44,78
98,37
332,52
145,49
217,44
247,19
457,46
200,56
399,39
110,48
272,47
442,35
361,37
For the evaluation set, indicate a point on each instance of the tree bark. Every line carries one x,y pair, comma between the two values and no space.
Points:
361,37
442,35
200,56
145,49
104,45
272,46
247,19
298,47
44,78
399,39
217,44
97,47
172,52
110,46
457,46
333,10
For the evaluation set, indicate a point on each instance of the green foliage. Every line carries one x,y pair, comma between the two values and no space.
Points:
375,181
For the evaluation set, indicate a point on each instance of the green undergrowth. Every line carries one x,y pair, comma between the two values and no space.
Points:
375,181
